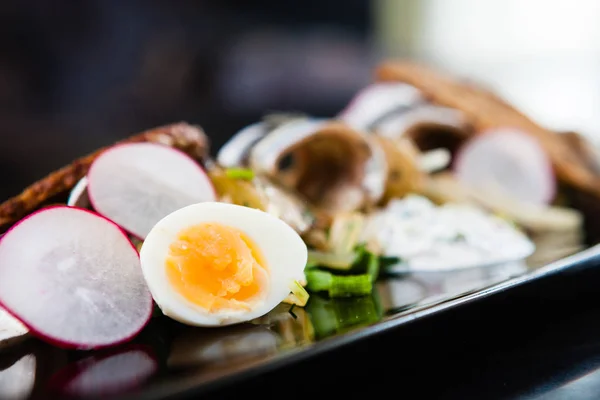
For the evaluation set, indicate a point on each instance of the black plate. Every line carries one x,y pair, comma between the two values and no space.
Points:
168,358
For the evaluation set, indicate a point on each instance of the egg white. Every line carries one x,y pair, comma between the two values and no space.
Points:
284,252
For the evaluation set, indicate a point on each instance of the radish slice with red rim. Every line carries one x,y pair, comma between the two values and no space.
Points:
73,278
136,185
507,161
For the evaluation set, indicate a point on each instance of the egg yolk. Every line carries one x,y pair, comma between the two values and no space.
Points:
217,267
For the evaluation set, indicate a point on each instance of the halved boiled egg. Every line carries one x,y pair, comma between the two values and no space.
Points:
214,264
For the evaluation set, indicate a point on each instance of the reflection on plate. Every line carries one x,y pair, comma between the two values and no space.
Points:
423,266
427,287
331,316
105,374
25,367
18,379
291,323
204,346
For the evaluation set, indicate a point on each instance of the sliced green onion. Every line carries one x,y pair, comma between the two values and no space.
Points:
298,296
331,260
239,173
345,232
373,266
318,280
338,285
350,285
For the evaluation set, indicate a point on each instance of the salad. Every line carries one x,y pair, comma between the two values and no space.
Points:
292,210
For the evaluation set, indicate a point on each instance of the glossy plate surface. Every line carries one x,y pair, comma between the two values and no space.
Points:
168,358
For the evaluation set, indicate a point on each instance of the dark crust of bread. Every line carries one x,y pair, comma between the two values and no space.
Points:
185,137
485,110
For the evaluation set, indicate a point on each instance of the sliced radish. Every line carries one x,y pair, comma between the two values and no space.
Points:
136,185
507,161
73,278
377,100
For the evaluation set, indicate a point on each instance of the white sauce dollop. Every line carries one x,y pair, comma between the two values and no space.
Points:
453,236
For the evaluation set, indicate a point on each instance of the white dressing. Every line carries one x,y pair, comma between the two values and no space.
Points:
453,236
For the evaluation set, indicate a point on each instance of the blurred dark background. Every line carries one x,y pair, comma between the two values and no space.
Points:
77,75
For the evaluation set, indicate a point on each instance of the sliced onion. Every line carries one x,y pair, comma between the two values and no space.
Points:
397,124
79,196
377,100
235,152
404,174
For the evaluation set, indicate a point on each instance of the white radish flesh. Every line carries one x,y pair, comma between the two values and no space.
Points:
73,278
136,185
508,162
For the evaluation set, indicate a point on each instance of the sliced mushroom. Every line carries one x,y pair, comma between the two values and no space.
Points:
332,165
435,160
429,136
264,194
398,123
404,173
235,152
285,204
236,191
